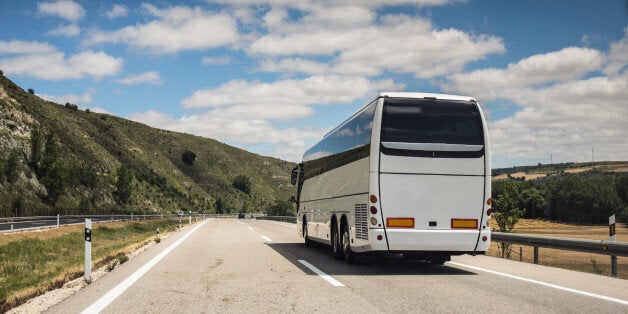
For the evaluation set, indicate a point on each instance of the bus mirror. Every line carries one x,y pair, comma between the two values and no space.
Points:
294,176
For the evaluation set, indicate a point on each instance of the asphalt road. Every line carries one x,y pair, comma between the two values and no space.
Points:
228,265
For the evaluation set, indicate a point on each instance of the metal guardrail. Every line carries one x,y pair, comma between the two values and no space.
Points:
612,248
571,244
291,219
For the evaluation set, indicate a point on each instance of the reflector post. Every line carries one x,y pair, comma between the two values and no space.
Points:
400,222
459,223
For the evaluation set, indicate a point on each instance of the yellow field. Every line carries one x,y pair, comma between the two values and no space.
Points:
592,263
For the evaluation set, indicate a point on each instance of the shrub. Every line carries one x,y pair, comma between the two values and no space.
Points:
188,157
242,183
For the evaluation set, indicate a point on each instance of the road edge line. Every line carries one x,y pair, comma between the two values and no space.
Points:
543,283
116,291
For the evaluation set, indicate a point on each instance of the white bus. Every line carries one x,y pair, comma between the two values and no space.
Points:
408,173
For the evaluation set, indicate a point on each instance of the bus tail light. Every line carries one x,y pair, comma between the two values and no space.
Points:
457,223
484,238
488,212
400,222
373,221
373,210
489,201
373,199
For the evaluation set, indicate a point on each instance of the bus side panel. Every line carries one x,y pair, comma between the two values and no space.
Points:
335,192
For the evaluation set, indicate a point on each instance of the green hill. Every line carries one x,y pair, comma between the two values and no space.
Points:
58,159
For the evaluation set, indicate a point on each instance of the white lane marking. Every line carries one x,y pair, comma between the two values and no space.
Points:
329,278
542,283
116,291
261,235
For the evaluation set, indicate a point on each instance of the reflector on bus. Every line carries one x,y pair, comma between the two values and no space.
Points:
457,223
400,222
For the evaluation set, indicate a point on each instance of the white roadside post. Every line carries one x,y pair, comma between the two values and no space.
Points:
88,250
58,220
611,232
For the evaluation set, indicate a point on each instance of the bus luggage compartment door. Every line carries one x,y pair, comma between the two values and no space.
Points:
429,212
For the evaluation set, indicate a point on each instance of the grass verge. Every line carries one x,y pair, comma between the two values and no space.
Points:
32,263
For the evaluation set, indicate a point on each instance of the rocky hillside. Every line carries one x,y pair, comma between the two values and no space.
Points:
58,159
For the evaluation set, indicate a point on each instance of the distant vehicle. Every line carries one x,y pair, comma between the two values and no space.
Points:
408,173
180,214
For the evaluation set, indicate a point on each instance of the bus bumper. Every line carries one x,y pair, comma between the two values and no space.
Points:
401,240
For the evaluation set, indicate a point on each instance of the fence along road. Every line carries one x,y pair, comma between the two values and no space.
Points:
250,265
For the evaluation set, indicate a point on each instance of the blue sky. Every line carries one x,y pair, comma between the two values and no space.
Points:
273,76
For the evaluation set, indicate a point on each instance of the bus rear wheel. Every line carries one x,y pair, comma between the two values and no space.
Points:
335,242
308,242
346,245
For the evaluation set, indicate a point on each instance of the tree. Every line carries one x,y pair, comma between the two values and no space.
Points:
532,202
242,183
31,91
123,187
12,165
281,208
71,106
508,212
55,180
188,157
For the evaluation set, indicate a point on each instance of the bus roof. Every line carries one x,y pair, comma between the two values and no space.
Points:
424,95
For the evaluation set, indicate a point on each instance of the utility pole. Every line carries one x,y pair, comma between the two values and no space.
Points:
592,156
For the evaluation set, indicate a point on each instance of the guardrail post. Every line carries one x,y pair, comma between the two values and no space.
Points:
613,238
88,250
521,254
536,255
58,220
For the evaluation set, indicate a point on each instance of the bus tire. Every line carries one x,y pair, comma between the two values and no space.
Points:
346,245
308,242
336,248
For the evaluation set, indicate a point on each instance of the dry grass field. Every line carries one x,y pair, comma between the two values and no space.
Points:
592,263
33,262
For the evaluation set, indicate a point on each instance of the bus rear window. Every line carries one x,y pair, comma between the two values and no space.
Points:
411,120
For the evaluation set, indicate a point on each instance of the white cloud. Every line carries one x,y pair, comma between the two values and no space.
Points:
117,11
216,60
71,98
566,120
65,9
488,84
44,61
330,89
618,56
296,65
368,45
174,29
66,31
151,77
25,47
